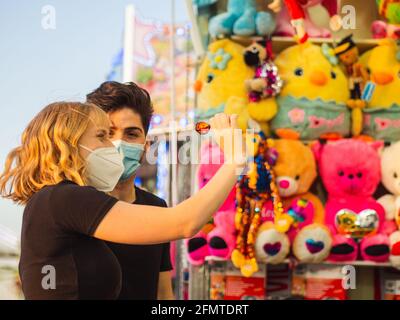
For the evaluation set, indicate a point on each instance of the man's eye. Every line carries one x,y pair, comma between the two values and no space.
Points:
132,135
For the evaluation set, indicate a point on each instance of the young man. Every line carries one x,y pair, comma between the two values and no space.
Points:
145,269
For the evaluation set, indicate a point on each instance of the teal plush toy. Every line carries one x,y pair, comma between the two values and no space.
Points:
242,19
203,3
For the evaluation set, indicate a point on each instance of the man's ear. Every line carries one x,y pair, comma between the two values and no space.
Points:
146,146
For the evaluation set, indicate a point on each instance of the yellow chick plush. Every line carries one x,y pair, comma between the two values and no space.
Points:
382,113
312,103
221,86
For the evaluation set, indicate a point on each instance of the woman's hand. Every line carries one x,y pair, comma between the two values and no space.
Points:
229,138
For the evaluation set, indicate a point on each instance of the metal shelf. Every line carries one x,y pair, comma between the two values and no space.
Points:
352,263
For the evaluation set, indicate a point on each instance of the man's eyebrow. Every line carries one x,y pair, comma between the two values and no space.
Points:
133,129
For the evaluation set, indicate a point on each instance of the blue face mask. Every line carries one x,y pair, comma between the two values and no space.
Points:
132,153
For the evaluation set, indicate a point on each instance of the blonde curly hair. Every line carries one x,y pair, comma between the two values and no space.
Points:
49,151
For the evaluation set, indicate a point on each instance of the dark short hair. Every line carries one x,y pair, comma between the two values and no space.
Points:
113,96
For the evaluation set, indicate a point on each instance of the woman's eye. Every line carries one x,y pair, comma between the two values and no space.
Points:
299,72
333,75
395,175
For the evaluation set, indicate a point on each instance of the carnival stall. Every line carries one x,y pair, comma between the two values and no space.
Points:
317,215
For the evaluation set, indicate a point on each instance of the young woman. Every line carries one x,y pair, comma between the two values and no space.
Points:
62,172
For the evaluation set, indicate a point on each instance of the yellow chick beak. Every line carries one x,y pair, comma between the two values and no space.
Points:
318,78
198,85
382,78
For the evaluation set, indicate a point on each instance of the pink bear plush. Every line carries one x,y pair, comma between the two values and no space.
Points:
350,171
220,241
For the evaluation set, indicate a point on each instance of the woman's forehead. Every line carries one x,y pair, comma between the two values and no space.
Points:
99,120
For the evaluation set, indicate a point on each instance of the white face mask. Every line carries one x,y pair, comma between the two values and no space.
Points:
104,168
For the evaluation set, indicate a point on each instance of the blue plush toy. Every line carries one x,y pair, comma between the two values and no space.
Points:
204,3
242,19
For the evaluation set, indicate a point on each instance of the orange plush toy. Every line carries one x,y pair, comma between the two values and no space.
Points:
301,224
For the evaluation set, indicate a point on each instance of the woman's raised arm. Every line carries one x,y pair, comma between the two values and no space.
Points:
137,224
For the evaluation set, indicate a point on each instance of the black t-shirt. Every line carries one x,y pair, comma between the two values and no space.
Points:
141,264
57,229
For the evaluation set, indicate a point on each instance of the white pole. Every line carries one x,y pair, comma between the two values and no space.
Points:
128,73
194,31
174,147
174,152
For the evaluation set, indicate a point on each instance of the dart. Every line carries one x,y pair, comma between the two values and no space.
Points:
202,128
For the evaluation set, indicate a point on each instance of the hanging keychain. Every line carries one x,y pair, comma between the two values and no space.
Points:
253,190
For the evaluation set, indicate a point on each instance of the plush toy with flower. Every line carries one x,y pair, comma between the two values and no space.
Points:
350,171
221,87
220,82
218,238
382,114
302,223
390,167
312,102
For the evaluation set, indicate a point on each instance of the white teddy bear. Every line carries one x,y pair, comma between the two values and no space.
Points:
390,166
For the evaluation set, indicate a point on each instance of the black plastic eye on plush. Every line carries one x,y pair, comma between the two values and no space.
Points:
341,173
298,72
210,78
395,175
369,70
359,175
297,178
333,75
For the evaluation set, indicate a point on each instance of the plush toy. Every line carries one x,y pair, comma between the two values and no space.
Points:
221,87
390,10
301,224
254,190
242,19
348,54
350,171
294,19
220,82
266,82
382,113
217,239
312,103
390,167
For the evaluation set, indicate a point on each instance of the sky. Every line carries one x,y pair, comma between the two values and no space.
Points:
39,66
